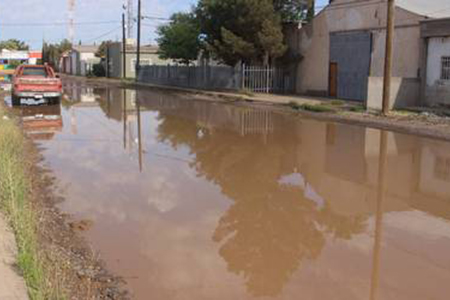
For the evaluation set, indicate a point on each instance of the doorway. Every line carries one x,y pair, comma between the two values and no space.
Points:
333,80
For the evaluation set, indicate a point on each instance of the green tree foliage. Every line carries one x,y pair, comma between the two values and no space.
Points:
179,40
311,10
101,52
51,53
292,10
99,70
241,30
13,44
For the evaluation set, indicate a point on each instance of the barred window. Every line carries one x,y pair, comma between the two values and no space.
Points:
445,68
442,168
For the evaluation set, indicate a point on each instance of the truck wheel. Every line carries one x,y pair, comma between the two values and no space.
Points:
15,100
55,100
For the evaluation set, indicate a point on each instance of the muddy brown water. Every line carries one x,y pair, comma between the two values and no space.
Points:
200,200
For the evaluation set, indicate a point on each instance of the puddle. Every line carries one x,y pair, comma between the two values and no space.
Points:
198,200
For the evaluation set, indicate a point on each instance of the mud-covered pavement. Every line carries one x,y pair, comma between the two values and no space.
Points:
200,200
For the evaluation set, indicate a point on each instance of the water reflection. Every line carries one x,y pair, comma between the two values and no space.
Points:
41,122
227,202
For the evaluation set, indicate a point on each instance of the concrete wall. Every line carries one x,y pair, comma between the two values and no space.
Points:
314,41
147,59
115,60
437,91
405,92
406,52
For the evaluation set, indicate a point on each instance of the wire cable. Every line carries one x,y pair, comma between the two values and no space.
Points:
105,34
57,24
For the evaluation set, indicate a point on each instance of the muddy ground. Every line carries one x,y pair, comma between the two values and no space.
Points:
65,252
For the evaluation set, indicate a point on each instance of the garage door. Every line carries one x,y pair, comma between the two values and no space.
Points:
351,52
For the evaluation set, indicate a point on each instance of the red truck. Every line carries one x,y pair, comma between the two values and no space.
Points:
38,82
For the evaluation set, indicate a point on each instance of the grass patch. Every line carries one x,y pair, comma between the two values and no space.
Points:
404,113
337,102
15,202
358,108
127,80
293,105
319,108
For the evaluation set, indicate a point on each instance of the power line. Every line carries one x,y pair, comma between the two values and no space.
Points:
57,24
104,34
155,18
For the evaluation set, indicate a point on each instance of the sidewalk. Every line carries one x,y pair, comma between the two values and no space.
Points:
229,95
12,285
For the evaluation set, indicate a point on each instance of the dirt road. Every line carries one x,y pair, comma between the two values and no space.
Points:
12,285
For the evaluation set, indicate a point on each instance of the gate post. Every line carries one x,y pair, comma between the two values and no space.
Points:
243,76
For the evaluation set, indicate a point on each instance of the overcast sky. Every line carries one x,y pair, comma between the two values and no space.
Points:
15,14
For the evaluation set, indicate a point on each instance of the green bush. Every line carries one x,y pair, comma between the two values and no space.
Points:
98,70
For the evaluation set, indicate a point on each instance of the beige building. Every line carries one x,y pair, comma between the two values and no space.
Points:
342,50
149,56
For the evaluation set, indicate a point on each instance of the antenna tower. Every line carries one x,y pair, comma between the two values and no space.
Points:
130,18
71,23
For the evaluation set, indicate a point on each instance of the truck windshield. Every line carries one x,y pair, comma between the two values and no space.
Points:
32,71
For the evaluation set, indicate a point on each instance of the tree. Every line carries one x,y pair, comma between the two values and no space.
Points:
179,40
51,53
241,30
311,10
292,10
13,44
99,70
101,52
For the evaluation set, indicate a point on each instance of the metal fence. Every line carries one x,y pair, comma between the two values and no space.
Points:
251,78
267,80
201,77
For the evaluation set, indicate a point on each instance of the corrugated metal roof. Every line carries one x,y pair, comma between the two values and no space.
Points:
429,8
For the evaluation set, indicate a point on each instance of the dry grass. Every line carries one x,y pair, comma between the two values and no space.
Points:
15,203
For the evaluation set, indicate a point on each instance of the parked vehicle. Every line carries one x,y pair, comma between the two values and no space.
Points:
38,82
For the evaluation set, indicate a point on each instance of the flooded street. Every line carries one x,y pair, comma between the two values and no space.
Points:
202,200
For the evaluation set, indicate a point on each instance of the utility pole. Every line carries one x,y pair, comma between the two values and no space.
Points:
388,56
376,255
124,48
138,55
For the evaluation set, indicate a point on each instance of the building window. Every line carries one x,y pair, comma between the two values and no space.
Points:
445,68
442,168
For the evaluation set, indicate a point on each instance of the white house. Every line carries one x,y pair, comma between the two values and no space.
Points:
343,49
79,60
436,61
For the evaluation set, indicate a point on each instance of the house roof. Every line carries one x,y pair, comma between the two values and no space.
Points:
145,48
85,48
435,9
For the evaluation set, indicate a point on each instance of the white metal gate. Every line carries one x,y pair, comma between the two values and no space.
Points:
260,79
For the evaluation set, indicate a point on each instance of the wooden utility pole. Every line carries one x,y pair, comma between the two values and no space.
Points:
388,56
376,260
138,55
124,48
